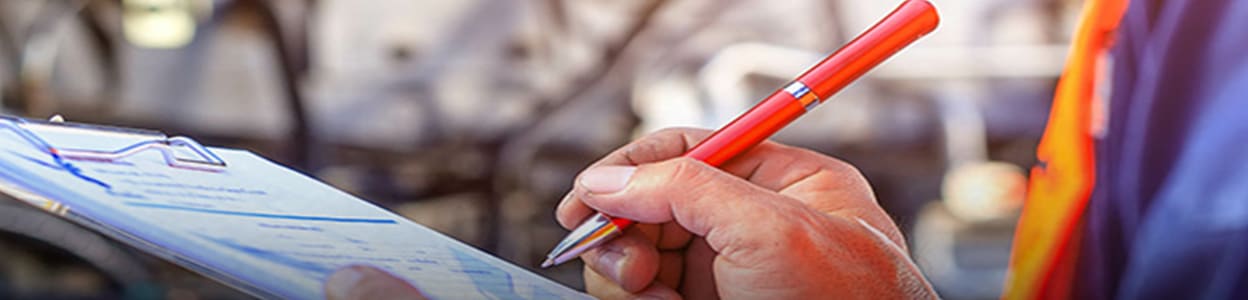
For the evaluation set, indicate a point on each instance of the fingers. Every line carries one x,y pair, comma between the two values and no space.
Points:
698,281
700,198
662,145
799,173
602,288
361,282
820,182
672,268
630,261
672,236
644,254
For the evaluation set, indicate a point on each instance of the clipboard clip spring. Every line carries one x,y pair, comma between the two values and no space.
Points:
206,160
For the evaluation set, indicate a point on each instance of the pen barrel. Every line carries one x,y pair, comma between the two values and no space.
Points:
751,128
906,24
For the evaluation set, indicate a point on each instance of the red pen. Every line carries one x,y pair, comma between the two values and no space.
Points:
906,24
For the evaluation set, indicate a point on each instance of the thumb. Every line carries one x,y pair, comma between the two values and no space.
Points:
699,197
361,282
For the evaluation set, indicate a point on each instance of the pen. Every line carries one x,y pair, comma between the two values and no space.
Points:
906,24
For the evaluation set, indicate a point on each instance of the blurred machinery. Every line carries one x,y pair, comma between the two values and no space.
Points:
473,116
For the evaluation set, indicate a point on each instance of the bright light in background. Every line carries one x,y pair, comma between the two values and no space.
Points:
160,23
985,191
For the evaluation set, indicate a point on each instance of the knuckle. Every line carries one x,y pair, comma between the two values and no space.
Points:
663,144
828,163
802,157
654,146
839,169
670,132
681,184
687,172
678,132
642,150
663,137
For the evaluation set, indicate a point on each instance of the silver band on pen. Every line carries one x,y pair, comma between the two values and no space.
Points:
803,95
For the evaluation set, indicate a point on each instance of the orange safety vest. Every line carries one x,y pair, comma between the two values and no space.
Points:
1046,241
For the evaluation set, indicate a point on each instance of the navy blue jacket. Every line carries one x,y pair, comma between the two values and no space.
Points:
1168,218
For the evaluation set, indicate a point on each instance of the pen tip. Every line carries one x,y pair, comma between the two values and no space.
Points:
548,263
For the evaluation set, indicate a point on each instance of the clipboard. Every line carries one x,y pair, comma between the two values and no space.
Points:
236,217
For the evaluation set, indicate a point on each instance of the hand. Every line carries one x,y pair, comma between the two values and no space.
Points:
360,282
774,223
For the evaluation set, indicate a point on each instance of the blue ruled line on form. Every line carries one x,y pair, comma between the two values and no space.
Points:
261,215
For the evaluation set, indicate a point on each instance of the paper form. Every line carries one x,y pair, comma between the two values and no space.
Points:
255,225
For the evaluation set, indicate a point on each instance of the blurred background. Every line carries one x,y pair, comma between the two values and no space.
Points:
472,117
